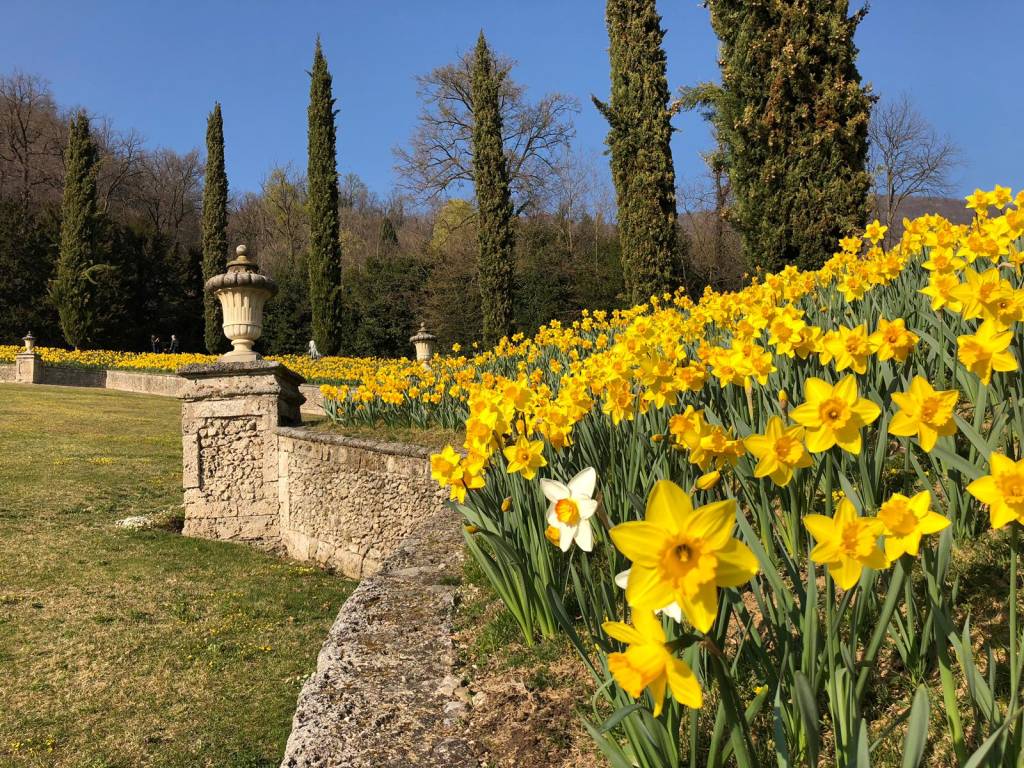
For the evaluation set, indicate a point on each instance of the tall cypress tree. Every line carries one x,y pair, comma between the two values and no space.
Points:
387,238
215,225
639,139
324,244
494,198
793,122
72,289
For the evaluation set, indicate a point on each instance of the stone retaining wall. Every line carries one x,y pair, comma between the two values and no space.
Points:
141,382
378,697
347,503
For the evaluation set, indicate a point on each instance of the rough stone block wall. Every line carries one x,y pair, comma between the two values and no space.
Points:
348,503
7,372
377,697
165,384
229,450
68,376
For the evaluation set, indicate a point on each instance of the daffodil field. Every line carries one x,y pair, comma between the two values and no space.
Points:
745,511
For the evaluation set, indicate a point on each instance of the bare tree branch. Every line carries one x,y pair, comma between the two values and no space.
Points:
439,158
908,157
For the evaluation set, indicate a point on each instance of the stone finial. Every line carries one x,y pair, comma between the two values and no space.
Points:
423,341
242,292
30,342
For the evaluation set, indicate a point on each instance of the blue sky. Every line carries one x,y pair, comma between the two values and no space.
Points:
158,68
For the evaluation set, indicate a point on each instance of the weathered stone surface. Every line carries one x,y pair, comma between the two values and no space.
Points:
28,368
7,372
384,693
347,503
136,523
230,451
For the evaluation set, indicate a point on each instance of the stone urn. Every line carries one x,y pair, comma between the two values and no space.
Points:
423,341
242,292
30,342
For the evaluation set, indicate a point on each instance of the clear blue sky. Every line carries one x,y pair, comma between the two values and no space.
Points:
158,68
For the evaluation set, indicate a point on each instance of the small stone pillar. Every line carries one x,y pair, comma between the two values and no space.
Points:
229,448
28,365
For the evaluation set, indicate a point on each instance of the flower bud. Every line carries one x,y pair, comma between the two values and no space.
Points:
708,481
552,534
657,438
506,504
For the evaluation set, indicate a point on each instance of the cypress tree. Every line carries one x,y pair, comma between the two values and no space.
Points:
324,244
72,289
387,238
639,139
793,122
215,225
496,237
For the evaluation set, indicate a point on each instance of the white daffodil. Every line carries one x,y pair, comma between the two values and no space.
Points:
572,506
672,610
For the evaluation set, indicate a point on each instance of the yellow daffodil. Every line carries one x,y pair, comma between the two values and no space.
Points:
647,663
526,457
906,520
924,412
941,290
1002,490
847,543
848,348
892,340
834,415
683,555
672,610
456,472
979,201
986,351
875,231
780,450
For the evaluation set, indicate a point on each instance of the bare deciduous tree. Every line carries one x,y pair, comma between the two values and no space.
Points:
439,157
167,192
32,139
908,157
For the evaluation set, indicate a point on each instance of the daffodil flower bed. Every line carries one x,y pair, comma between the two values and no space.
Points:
743,510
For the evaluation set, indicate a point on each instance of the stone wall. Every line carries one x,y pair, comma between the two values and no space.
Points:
229,449
347,503
381,694
141,382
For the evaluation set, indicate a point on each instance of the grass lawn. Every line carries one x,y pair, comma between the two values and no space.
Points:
144,648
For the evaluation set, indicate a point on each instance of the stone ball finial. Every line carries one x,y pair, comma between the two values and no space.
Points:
241,257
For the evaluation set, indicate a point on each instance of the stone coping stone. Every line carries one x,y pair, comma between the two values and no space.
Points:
392,449
379,697
214,370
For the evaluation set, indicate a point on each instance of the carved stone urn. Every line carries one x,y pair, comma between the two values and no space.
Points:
242,292
423,341
30,342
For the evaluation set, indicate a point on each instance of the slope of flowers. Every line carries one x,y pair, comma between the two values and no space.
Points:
744,512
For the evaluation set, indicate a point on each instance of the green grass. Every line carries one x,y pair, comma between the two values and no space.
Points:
142,648
434,437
